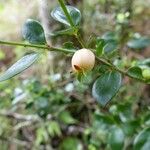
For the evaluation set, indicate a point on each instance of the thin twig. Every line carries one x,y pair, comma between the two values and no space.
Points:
103,61
46,47
62,4
78,37
69,18
32,118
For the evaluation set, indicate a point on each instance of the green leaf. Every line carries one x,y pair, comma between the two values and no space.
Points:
100,43
66,118
142,140
135,72
71,143
144,63
116,138
54,129
33,32
139,43
104,45
19,66
146,119
106,86
41,135
109,36
110,46
130,127
41,103
107,119
59,15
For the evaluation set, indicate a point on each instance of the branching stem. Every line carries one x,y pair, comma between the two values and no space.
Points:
51,48
78,37
76,34
105,62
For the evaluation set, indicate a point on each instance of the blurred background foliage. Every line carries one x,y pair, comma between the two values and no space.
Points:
47,108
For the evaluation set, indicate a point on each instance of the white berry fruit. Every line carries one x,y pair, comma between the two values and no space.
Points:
83,60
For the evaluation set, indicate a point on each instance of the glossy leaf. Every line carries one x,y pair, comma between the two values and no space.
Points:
116,138
139,43
33,32
135,72
19,66
106,86
142,140
104,46
144,63
59,15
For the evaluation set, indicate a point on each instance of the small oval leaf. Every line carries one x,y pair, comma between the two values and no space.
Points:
106,86
144,63
135,72
19,66
33,32
139,43
59,15
110,36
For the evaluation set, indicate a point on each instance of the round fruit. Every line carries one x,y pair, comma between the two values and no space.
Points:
83,60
